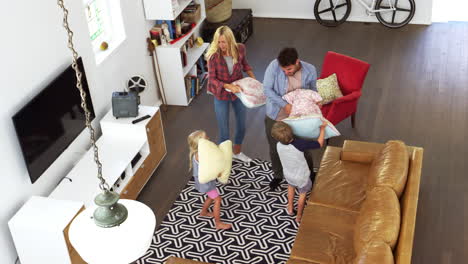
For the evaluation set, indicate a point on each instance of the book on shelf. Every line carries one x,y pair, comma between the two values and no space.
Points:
197,89
183,56
178,28
192,86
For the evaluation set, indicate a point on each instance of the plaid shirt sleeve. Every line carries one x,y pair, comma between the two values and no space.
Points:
218,75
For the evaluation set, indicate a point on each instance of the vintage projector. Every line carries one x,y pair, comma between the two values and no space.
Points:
125,104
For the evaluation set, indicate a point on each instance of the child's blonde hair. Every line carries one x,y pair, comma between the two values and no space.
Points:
192,141
230,39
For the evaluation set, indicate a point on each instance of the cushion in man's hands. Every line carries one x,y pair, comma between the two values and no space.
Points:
308,127
304,102
214,160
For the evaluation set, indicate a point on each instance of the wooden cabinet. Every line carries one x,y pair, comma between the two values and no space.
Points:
129,153
157,151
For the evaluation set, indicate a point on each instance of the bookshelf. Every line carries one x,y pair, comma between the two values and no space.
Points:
173,70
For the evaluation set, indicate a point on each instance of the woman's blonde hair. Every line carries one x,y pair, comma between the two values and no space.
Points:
192,141
231,41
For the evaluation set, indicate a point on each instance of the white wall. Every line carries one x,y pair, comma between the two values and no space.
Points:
33,51
304,9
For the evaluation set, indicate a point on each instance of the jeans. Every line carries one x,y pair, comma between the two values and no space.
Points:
222,115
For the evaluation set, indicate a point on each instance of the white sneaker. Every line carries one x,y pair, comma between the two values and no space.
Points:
242,157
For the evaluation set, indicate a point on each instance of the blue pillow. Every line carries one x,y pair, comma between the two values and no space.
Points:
308,127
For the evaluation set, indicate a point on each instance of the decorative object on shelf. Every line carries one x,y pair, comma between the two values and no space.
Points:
166,32
104,46
218,10
200,42
109,232
136,84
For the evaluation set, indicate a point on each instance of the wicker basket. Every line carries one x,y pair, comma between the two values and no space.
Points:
218,10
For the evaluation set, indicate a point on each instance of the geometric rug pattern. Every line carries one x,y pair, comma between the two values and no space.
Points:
262,230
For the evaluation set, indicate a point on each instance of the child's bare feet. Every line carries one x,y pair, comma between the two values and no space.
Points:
298,218
207,214
224,226
290,210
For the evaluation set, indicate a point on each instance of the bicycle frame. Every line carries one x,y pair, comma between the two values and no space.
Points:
371,8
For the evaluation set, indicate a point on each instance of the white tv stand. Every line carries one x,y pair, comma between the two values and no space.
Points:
129,154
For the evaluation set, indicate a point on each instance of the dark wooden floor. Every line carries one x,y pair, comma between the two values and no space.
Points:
416,91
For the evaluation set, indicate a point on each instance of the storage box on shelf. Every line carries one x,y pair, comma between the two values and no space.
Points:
173,70
129,153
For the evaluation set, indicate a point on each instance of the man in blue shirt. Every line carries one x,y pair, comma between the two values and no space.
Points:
284,74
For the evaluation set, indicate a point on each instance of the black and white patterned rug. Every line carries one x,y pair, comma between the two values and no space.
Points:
262,231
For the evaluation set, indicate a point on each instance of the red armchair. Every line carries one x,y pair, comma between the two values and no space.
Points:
351,73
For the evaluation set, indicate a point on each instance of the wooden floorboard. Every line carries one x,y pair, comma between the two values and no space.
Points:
416,91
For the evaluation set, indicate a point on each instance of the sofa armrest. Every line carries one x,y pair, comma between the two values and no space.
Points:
359,151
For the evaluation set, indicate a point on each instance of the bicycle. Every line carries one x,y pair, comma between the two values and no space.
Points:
392,13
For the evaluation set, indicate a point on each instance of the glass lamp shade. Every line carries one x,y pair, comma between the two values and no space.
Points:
121,244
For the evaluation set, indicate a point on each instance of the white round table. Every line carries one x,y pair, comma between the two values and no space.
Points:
116,245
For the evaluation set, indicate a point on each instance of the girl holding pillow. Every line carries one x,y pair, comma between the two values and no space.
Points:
226,62
208,188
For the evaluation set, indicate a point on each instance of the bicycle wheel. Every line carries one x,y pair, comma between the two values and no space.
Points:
331,13
402,15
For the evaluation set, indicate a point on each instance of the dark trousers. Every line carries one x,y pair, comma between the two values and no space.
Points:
275,160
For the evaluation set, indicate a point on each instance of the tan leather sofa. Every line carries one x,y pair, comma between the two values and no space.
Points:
362,208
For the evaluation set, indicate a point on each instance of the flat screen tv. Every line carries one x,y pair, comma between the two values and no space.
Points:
48,123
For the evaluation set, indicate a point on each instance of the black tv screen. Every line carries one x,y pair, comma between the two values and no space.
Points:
47,124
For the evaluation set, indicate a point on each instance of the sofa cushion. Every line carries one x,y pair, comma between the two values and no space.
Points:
340,184
390,167
378,219
325,235
375,251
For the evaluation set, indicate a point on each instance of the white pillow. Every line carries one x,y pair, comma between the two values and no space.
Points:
308,127
304,102
213,160
252,94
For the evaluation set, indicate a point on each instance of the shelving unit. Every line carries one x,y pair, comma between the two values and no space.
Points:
172,71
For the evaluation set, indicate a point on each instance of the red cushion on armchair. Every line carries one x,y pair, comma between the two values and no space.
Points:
351,73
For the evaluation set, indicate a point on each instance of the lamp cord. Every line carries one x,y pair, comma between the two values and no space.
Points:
103,184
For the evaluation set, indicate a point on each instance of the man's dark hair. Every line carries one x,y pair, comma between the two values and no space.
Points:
287,56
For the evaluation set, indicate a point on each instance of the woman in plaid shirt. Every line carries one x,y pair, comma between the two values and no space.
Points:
226,62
